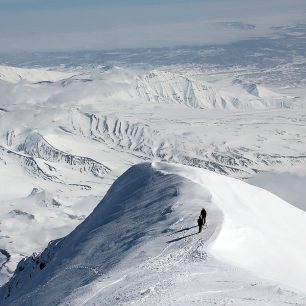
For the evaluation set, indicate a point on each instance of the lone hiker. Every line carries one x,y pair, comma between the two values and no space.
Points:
203,215
200,224
34,255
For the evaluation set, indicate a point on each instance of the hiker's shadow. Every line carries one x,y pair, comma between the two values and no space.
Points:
180,238
183,230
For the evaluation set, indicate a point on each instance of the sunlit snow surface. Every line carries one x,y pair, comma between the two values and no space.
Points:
141,246
66,133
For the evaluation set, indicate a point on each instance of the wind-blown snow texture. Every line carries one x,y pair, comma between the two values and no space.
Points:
142,239
67,132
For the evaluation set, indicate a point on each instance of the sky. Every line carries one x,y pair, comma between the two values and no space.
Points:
71,25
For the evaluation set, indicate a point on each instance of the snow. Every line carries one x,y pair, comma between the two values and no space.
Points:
66,134
15,75
98,120
258,233
140,245
287,185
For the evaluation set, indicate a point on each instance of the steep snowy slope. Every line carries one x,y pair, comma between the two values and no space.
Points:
114,84
168,87
36,146
253,222
70,135
140,245
75,156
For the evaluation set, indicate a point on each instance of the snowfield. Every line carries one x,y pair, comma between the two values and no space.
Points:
16,75
256,233
68,132
140,246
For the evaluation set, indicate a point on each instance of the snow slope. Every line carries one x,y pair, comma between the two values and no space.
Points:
15,75
192,90
140,245
260,230
168,87
189,89
288,186
70,133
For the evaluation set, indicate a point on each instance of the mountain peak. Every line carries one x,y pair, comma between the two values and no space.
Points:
145,229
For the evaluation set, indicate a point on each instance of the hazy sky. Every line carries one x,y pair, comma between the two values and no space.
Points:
60,25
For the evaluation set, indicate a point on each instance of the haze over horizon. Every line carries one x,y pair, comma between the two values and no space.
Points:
34,25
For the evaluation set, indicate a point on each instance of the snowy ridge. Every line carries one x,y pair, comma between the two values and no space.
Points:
15,75
260,91
265,96
141,140
36,146
119,254
122,133
135,137
167,87
147,142
43,198
159,86
72,137
28,163
246,228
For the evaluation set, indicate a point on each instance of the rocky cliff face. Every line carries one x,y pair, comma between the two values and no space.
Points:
35,145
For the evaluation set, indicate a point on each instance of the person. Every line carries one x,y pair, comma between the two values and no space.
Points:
203,215
200,224
34,255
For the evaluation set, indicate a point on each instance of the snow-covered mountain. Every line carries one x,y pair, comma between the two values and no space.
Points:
169,87
158,86
15,75
66,134
36,146
142,239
